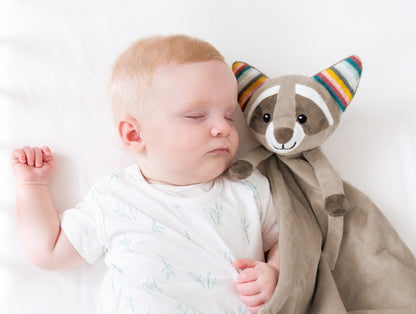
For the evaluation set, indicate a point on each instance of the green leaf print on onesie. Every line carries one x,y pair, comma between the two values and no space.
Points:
126,242
156,227
167,269
184,309
245,226
150,286
130,305
208,283
215,214
253,188
125,211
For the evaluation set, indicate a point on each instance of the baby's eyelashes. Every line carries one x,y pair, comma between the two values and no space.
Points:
195,116
204,115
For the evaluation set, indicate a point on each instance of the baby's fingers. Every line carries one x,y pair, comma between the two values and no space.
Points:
34,157
38,157
253,302
30,155
248,275
248,288
18,156
254,309
47,154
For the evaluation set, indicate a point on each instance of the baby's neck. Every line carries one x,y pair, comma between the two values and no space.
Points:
161,182
186,191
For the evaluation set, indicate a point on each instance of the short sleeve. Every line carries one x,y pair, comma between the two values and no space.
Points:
83,227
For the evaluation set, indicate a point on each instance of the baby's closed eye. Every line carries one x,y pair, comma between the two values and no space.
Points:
195,116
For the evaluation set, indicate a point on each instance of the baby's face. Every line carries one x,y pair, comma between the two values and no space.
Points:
186,123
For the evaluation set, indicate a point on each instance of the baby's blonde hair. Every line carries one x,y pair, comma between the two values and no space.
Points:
133,71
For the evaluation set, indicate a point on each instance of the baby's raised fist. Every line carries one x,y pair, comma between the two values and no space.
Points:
32,165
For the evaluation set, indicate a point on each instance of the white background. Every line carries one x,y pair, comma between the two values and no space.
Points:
55,61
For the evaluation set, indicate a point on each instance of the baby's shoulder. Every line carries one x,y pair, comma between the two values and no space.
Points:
112,181
256,176
256,181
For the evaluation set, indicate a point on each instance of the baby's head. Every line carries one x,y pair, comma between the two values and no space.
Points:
173,98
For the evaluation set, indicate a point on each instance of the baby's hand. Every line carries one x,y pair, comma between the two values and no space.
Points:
255,283
32,165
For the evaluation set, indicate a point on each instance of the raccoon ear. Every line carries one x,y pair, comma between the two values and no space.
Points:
341,80
249,79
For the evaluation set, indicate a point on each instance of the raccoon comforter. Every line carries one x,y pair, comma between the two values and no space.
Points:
338,253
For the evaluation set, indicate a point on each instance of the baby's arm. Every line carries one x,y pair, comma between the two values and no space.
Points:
38,221
257,280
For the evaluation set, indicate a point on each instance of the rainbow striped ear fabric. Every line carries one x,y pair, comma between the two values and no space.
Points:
341,80
249,79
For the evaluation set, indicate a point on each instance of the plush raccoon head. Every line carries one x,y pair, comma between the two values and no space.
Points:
293,113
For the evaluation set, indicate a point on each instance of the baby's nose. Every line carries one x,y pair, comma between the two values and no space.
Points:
221,128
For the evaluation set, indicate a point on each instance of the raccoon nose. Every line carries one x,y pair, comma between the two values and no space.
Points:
283,135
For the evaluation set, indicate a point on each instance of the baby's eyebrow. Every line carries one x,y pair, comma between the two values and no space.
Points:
195,104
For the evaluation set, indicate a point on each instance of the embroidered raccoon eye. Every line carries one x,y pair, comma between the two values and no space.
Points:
267,117
302,118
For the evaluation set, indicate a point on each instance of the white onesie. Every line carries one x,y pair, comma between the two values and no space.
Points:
170,253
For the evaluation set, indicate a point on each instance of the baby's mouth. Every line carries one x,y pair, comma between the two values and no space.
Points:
220,151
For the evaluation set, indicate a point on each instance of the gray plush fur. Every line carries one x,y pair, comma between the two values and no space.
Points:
338,253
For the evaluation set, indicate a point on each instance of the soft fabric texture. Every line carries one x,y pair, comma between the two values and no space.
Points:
165,252
338,253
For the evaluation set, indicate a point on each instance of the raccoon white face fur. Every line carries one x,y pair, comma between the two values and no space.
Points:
291,114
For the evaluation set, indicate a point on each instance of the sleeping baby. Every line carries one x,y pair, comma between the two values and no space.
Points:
177,235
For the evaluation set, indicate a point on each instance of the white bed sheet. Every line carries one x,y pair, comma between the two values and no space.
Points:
55,60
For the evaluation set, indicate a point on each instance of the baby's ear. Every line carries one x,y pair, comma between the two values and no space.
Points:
129,131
